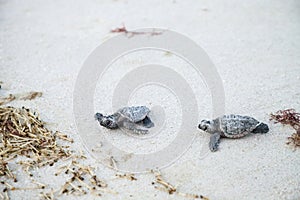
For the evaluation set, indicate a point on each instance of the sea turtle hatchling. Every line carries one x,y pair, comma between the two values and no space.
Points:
133,118
231,126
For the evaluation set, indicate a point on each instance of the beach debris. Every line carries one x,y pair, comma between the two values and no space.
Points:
22,133
168,53
231,126
113,163
163,185
5,195
5,100
47,195
83,180
287,117
292,118
8,187
121,29
128,176
124,30
5,171
294,139
170,188
30,95
133,118
23,96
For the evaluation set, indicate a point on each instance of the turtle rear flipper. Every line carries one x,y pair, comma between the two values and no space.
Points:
134,127
214,142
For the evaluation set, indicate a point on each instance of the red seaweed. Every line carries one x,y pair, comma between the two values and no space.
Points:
292,118
123,29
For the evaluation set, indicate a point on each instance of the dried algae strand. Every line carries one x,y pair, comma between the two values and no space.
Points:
170,188
5,171
30,95
8,187
5,100
4,194
23,96
47,195
292,118
165,186
128,176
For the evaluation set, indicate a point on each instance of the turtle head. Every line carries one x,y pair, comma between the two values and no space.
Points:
206,125
106,121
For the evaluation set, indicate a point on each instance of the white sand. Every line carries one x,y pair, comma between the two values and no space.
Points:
254,45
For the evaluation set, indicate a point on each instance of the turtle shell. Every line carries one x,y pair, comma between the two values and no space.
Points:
235,126
134,113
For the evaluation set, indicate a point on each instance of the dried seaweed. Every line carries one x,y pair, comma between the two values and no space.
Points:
287,117
171,189
5,100
5,170
47,195
128,176
82,180
294,139
23,96
124,30
30,95
22,133
292,118
113,163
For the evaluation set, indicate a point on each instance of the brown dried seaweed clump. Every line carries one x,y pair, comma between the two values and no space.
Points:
292,118
22,133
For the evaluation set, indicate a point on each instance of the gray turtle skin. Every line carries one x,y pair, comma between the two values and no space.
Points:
231,126
133,118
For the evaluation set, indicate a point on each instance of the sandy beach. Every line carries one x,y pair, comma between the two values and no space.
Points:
254,47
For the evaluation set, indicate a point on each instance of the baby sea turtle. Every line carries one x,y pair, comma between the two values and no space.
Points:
231,126
131,118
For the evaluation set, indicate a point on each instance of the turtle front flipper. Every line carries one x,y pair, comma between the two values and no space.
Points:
214,142
134,128
147,122
98,116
